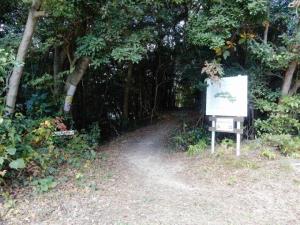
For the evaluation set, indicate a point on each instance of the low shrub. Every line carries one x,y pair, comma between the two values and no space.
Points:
282,117
28,147
267,153
25,142
187,138
227,143
197,148
285,143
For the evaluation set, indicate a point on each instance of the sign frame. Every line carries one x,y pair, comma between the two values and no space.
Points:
227,96
238,130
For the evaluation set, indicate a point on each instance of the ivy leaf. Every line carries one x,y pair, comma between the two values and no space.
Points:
11,150
17,164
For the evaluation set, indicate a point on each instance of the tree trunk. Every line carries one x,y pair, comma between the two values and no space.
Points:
15,78
126,92
266,31
73,80
58,61
267,23
288,77
295,88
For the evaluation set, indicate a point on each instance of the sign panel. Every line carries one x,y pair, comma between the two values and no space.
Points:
225,124
64,133
227,96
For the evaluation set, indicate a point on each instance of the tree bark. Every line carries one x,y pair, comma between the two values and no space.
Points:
73,80
288,77
295,88
266,32
14,80
267,23
127,91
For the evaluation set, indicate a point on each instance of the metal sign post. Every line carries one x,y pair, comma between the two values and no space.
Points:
226,125
238,139
213,135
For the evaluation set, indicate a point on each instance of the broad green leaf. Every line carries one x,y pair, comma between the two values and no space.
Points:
11,150
1,161
17,164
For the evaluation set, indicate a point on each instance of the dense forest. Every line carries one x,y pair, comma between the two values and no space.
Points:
106,67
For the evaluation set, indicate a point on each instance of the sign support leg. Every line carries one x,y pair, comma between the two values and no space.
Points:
213,137
238,139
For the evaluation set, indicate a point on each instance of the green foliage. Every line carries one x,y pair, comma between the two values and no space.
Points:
267,153
94,47
169,41
198,148
257,7
190,139
6,61
132,50
282,117
29,147
24,140
218,23
93,136
271,56
227,143
60,8
285,143
44,184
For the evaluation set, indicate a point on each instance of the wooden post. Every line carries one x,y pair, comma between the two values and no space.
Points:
213,135
238,138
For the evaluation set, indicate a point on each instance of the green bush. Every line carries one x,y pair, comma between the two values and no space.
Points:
184,139
44,184
23,141
197,148
285,143
28,147
281,118
227,143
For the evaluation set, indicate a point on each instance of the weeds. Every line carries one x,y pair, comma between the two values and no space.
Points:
268,154
44,184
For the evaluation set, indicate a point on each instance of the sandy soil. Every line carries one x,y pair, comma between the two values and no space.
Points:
138,181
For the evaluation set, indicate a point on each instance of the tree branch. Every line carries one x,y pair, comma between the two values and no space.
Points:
38,14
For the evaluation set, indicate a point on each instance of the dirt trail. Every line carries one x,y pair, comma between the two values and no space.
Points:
141,183
148,157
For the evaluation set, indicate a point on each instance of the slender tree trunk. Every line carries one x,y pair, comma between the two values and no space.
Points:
267,23
155,102
14,80
58,61
73,80
266,31
295,88
288,77
127,91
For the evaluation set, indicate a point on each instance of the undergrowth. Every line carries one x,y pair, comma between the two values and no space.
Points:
29,150
189,137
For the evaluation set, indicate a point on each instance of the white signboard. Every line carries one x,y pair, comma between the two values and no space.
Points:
227,97
64,133
224,124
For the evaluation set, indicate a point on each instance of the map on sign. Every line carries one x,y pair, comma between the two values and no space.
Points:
227,96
